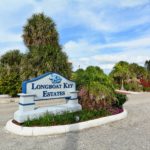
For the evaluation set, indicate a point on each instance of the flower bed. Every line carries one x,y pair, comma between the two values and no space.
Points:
70,118
59,129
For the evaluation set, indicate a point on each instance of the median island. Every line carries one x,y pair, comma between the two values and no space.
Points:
69,117
95,98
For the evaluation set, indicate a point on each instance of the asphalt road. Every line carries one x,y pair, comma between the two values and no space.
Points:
131,133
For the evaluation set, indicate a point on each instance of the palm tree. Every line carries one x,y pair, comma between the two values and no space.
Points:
40,30
11,61
120,72
45,53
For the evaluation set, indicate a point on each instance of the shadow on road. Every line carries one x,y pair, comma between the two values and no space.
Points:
71,140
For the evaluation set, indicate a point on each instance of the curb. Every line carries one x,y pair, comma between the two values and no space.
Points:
8,100
126,92
52,130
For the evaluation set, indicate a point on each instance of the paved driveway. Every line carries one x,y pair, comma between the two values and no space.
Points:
132,133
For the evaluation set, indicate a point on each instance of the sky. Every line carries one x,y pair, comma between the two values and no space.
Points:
91,32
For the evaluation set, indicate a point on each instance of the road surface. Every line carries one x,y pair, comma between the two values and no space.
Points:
131,133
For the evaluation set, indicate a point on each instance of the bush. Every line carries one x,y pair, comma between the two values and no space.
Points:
133,86
10,84
10,80
146,89
121,99
95,88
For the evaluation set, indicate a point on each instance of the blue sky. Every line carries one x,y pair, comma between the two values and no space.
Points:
97,32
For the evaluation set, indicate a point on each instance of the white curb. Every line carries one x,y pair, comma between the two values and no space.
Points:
127,92
6,100
35,131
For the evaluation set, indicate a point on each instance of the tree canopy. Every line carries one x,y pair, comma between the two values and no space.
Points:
45,53
40,30
10,76
96,88
120,71
130,74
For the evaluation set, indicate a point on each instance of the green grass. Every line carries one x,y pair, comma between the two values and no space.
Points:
66,118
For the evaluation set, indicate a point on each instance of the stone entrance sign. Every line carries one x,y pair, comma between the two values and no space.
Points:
49,86
46,87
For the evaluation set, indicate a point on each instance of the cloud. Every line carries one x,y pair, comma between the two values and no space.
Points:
9,37
101,25
80,48
98,16
12,46
134,3
137,50
125,56
107,16
136,43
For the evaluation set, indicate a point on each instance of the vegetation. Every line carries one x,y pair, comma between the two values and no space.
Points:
66,118
44,54
130,74
146,89
73,117
120,100
40,30
80,116
95,88
41,38
133,86
10,73
120,72
44,59
147,65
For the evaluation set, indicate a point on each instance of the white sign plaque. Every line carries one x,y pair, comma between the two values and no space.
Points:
49,86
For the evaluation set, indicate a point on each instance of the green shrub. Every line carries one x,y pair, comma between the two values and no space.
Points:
133,86
146,89
10,84
121,99
96,89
